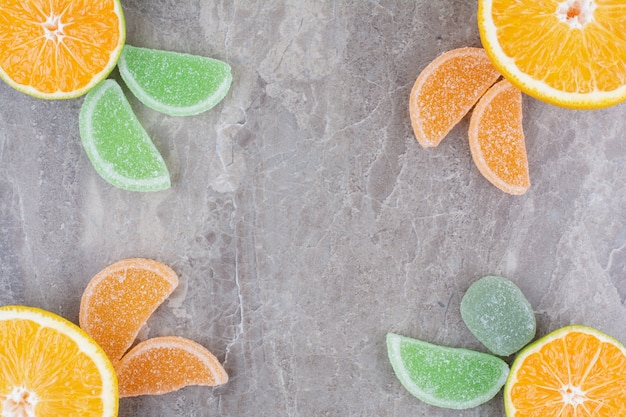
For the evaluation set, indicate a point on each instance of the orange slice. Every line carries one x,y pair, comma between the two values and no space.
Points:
573,371
50,367
496,138
119,300
165,364
446,90
570,53
58,49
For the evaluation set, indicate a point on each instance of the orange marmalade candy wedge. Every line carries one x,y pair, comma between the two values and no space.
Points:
446,90
497,141
119,300
166,364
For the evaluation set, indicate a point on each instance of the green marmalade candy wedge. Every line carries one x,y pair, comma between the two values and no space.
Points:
117,145
174,83
444,376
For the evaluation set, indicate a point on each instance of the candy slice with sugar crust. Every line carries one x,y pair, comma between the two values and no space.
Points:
119,300
117,145
444,376
174,83
446,90
166,364
497,141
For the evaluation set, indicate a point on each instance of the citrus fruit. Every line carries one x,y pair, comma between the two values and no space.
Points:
50,367
57,49
446,90
117,145
496,311
570,53
496,138
445,376
165,364
573,371
119,300
174,83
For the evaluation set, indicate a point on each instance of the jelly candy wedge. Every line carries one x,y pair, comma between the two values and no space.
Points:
166,364
446,90
497,141
498,314
117,145
174,83
444,376
119,300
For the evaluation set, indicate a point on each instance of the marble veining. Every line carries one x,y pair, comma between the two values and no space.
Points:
304,220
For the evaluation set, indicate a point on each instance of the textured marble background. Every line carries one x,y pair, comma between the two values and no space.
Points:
304,220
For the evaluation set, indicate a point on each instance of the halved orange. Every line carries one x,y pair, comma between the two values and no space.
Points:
57,49
50,367
446,90
571,53
165,364
496,138
119,300
573,371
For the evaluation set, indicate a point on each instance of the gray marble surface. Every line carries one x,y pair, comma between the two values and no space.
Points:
304,220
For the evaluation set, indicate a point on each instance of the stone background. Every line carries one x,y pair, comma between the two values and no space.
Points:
304,220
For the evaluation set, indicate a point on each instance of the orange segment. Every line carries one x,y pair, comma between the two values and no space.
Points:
165,364
574,371
446,90
119,300
50,367
59,48
570,53
496,138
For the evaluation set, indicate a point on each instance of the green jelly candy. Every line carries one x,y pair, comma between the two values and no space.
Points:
497,313
174,83
117,145
445,376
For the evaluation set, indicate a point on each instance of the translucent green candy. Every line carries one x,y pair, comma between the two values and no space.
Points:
117,145
444,376
174,83
497,313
